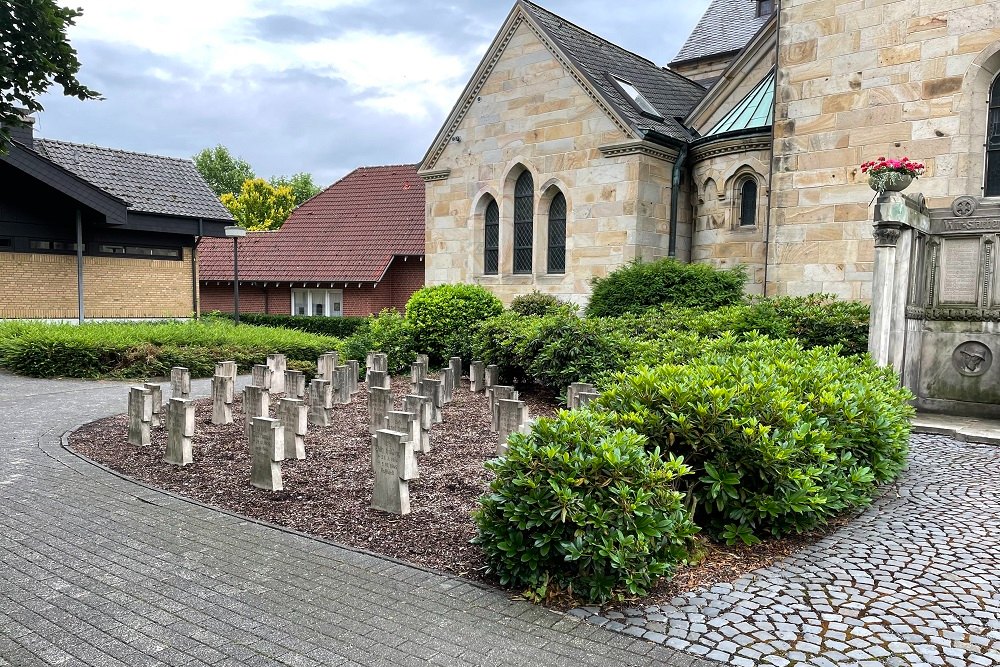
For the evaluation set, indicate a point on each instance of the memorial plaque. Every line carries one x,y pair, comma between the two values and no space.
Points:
960,271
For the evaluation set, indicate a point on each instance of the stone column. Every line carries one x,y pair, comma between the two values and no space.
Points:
222,400
267,450
883,291
497,394
140,416
295,384
180,430
433,390
352,365
180,382
260,376
421,406
511,415
293,415
278,365
320,402
379,406
256,403
391,493
408,423
477,377
156,393
492,375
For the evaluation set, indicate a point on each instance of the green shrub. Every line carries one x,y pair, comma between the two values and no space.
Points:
578,506
780,438
538,304
388,332
443,316
338,327
641,285
135,350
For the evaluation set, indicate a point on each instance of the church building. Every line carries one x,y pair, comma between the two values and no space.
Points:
567,156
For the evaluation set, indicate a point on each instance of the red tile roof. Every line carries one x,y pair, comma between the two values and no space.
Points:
347,233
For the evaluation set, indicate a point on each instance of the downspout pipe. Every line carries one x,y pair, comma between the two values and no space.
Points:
675,198
79,265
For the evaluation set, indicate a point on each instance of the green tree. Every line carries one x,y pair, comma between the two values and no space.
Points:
34,54
224,173
301,184
260,206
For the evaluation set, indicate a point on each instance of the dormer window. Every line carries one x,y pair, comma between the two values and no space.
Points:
765,7
636,98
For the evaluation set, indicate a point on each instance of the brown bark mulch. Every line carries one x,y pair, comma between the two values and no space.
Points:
328,494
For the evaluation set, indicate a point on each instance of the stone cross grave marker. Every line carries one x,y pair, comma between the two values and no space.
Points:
378,379
222,399
180,430
260,376
267,450
278,364
421,406
369,363
447,384
456,373
180,382
418,371
342,385
226,368
293,415
256,403
424,359
352,365
511,415
376,362
573,390
379,406
408,423
492,375
433,390
477,377
295,384
325,365
140,415
391,493
496,394
156,393
320,402
583,398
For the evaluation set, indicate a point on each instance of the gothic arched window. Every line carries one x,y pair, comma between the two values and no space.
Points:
557,234
748,203
993,143
491,252
524,213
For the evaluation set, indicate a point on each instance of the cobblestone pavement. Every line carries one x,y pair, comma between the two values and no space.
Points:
102,572
914,581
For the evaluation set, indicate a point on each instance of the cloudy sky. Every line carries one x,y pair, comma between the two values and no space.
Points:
304,85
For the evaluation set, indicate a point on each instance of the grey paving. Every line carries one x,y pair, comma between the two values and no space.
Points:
99,571
914,581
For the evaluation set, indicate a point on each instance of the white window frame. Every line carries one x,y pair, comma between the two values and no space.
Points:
328,298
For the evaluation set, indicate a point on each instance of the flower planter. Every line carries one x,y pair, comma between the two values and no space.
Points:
891,182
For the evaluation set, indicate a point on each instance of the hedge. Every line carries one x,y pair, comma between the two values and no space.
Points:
338,327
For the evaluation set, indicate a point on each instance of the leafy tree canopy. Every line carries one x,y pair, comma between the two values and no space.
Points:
301,184
260,206
225,173
34,54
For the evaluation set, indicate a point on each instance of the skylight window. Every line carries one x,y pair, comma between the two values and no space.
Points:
637,98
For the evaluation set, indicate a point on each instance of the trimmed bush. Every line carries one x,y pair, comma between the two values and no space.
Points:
387,332
136,350
578,506
338,327
537,303
780,438
443,317
641,285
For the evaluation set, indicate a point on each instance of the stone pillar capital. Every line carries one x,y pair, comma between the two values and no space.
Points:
886,235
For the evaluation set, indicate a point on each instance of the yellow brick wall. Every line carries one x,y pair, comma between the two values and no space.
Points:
44,286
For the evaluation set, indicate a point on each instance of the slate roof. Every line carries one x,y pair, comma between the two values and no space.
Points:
671,94
754,111
349,232
149,183
726,26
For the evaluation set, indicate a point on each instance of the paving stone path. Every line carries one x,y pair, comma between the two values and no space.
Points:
99,571
914,581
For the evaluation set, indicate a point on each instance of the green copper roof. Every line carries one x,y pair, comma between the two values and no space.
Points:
756,110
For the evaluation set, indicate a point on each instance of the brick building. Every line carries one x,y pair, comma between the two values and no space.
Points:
567,156
354,249
113,231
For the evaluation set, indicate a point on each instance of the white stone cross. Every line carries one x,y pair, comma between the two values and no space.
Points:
408,423
421,406
180,430
267,450
477,377
180,382
379,405
320,402
222,399
278,364
511,415
140,415
295,384
256,403
293,415
391,493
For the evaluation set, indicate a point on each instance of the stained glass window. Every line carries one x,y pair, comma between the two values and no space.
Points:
524,209
491,256
993,143
748,203
557,234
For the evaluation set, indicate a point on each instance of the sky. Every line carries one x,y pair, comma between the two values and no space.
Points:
321,86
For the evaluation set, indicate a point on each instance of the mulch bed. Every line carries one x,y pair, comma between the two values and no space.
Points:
328,494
